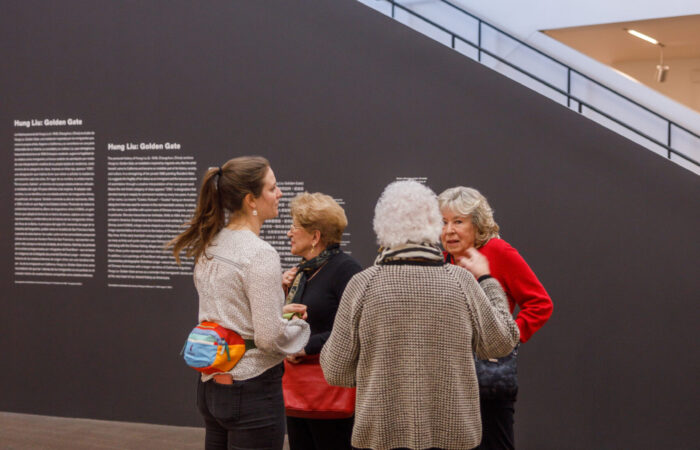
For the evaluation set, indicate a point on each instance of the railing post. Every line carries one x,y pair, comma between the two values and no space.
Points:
669,139
453,41
479,43
580,108
392,9
568,87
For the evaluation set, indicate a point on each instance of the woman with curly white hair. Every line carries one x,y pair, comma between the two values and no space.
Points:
468,224
407,328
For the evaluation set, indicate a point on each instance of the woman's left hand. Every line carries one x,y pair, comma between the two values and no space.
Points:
297,357
288,278
475,262
295,308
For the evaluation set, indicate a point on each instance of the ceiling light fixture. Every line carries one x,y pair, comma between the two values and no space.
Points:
642,36
661,68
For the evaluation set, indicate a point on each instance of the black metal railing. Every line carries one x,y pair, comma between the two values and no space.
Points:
454,37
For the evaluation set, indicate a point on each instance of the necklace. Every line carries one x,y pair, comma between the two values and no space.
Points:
317,271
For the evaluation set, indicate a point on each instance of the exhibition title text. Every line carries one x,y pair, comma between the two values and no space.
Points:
143,146
47,123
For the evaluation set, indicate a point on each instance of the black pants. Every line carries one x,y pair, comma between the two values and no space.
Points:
319,434
244,415
497,418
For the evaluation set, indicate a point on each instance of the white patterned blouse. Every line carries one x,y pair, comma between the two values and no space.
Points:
239,282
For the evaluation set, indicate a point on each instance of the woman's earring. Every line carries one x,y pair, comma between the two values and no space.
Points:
313,246
255,212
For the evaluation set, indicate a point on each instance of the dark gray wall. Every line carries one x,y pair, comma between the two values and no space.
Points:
345,99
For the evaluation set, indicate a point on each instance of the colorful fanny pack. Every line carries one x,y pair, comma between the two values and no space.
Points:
211,348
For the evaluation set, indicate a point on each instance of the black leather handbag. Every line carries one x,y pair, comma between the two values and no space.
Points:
498,378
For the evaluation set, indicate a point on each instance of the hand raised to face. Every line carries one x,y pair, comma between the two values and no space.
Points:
475,262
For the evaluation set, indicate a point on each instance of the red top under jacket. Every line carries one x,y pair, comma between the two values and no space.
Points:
520,284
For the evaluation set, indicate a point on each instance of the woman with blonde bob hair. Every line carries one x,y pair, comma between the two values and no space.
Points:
469,224
317,285
238,278
406,330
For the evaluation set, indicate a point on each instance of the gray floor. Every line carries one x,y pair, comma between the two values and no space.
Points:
30,432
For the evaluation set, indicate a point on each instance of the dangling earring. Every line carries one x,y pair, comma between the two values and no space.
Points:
313,246
255,212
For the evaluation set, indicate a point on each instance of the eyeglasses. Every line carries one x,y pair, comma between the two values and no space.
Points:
294,228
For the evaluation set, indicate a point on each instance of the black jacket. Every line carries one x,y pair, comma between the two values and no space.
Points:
322,295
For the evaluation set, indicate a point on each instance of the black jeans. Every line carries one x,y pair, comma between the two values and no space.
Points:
497,417
319,434
247,414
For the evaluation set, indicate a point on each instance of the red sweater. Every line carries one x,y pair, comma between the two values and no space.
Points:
521,286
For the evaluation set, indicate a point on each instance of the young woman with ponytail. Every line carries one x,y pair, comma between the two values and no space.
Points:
239,281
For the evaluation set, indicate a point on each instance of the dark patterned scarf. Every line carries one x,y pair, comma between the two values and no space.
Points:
307,269
415,254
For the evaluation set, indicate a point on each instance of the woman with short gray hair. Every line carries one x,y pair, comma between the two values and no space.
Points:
406,330
469,224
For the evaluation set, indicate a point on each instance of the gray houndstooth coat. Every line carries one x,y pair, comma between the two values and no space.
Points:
405,336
